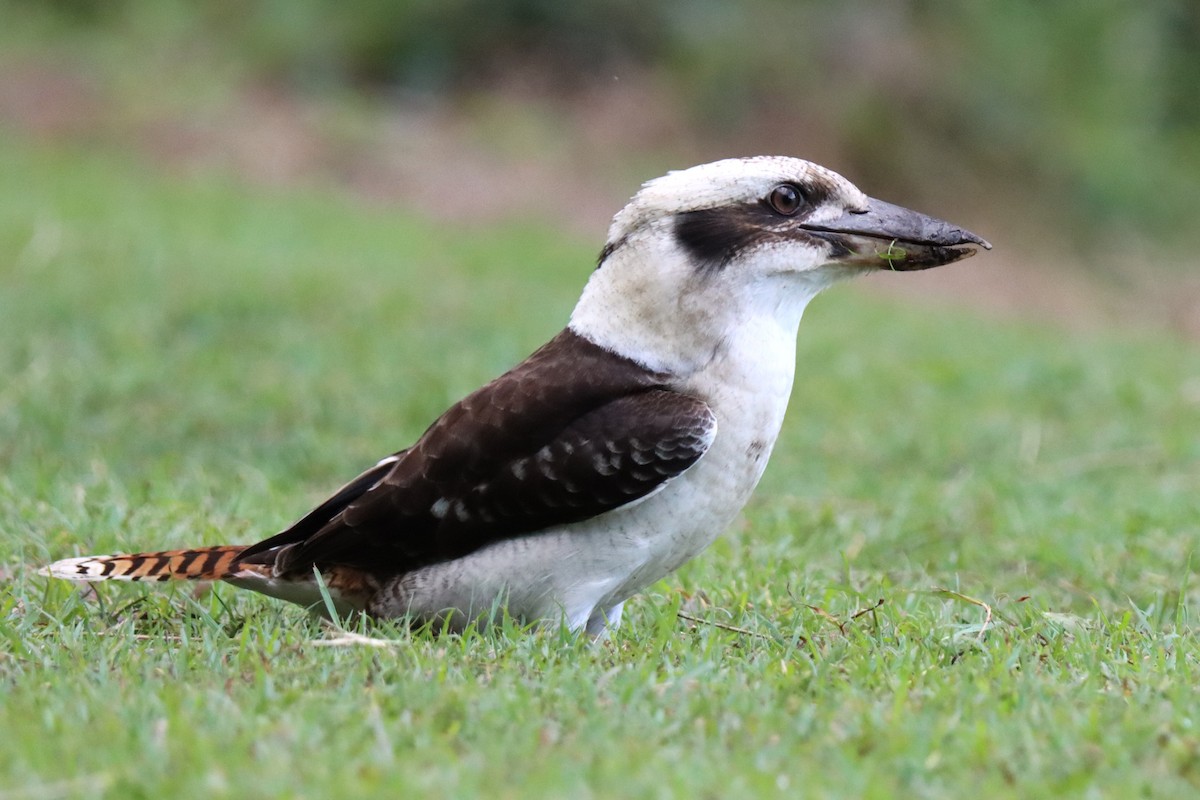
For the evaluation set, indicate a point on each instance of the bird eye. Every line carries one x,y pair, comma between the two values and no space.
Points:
785,199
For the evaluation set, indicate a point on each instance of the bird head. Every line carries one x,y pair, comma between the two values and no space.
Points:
701,251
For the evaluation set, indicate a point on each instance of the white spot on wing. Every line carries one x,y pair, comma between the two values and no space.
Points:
604,464
545,463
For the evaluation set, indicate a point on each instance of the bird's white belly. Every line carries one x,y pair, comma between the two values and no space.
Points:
577,571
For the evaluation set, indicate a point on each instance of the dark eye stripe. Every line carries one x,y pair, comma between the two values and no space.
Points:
714,236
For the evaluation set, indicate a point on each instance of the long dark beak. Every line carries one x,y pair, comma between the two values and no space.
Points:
893,237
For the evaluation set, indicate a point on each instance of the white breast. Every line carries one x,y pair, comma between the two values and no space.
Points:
747,385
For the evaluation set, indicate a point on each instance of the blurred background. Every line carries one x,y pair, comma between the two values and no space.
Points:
1068,133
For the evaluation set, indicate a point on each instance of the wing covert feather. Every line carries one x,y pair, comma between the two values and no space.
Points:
571,432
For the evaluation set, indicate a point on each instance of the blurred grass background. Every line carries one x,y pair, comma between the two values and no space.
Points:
1069,132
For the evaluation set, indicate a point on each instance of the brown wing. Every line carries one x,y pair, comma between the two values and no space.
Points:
573,431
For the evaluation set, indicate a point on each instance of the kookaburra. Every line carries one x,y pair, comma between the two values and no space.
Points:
622,447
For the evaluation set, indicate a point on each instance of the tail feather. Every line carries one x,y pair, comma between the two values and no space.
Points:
196,564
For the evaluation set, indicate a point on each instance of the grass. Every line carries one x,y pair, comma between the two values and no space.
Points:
968,570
